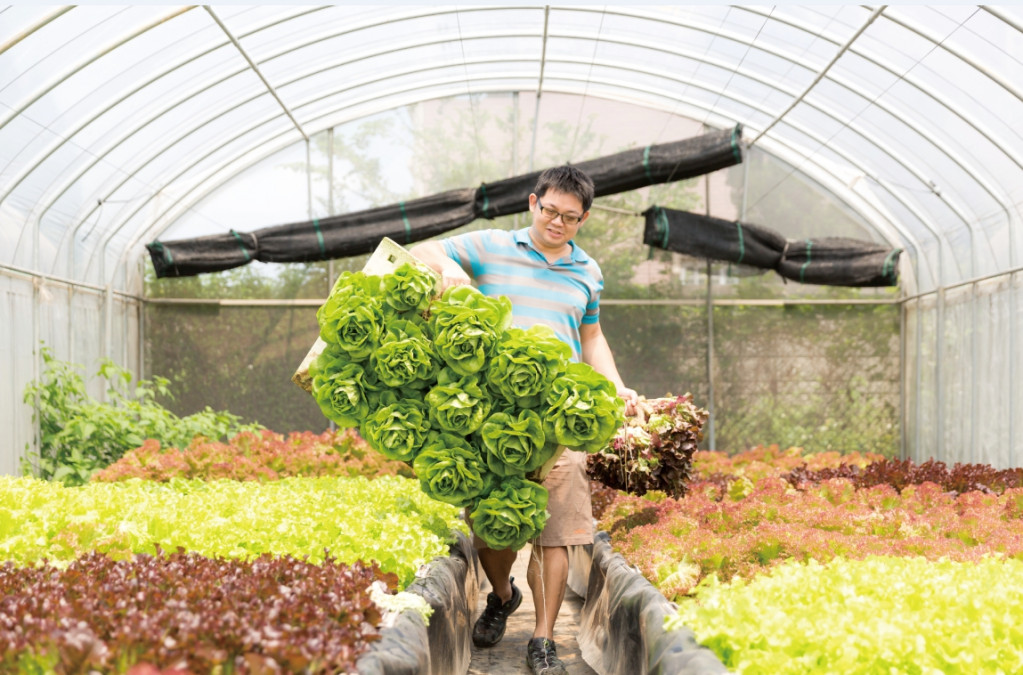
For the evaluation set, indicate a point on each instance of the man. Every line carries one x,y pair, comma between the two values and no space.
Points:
549,280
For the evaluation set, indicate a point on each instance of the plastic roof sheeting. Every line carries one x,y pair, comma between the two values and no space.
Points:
115,120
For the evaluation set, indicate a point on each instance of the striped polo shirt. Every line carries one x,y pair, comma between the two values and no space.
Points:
563,294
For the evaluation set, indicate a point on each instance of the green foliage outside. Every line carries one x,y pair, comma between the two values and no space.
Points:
79,435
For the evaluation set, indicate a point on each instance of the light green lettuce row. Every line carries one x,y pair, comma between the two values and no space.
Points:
387,520
877,615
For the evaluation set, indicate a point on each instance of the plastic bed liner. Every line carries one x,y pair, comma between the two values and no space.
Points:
621,628
621,631
451,587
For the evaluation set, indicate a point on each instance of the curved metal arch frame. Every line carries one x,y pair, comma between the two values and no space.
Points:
455,82
636,14
50,86
650,72
276,22
168,109
405,17
659,74
921,87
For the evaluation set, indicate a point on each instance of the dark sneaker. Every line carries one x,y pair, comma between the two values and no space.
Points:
489,628
542,658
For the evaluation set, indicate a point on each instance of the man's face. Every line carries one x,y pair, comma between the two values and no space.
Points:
551,234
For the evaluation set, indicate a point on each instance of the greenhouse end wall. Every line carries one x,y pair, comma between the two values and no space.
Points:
822,377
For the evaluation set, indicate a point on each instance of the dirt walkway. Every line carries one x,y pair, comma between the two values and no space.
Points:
508,657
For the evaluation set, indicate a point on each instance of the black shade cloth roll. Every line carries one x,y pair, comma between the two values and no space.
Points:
831,261
356,233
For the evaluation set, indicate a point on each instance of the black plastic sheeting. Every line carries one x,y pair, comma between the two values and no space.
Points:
409,647
621,631
832,261
356,233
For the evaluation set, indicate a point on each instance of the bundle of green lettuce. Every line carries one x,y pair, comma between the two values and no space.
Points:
447,385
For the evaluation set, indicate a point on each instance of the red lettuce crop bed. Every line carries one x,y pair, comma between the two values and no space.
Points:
186,612
263,455
788,564
746,513
182,613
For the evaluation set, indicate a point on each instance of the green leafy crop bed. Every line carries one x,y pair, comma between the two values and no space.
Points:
387,520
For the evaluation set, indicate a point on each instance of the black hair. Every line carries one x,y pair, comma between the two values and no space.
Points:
569,180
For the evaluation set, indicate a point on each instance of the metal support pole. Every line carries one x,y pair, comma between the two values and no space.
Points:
903,408
1012,369
711,442
919,380
938,384
36,364
974,382
330,200
37,355
539,86
141,311
108,328
70,324
515,145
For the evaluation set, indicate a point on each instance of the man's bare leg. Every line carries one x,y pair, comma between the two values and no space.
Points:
548,576
497,565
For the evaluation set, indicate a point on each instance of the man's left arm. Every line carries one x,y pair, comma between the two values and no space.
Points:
597,353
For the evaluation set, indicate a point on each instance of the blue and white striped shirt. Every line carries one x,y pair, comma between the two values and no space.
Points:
563,295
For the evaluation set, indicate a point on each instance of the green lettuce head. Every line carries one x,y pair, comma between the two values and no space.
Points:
408,288
449,469
405,357
398,429
458,404
583,410
513,513
466,326
340,387
514,445
525,364
352,316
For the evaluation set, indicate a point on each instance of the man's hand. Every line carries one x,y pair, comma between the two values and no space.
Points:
631,399
453,275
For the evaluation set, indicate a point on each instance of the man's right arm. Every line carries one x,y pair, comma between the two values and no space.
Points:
451,273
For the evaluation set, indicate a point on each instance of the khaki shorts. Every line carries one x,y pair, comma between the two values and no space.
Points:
568,488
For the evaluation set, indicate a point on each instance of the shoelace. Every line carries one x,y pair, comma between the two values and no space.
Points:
548,651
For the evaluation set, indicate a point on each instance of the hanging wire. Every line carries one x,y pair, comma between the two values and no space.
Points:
792,64
586,90
846,123
681,94
472,102
742,59
658,190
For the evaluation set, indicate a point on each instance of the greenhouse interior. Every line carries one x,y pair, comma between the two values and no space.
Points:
807,219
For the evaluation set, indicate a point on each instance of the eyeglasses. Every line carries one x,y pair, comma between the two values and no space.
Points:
551,214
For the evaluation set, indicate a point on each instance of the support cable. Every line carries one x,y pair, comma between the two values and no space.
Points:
472,103
586,87
539,86
820,75
256,70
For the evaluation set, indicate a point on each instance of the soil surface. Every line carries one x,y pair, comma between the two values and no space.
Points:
508,657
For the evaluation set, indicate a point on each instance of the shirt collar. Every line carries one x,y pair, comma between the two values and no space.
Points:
522,237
